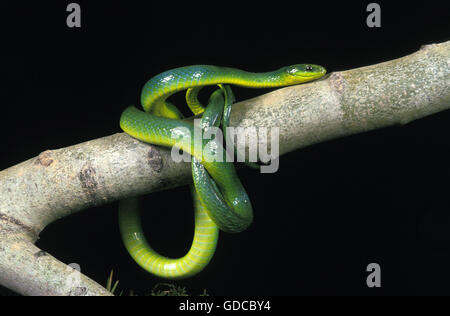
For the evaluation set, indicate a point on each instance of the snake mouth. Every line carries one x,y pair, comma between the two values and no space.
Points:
318,73
311,76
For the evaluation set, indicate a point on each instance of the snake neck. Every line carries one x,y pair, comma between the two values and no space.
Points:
160,87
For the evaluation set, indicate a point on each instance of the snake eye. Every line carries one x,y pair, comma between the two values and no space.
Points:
308,68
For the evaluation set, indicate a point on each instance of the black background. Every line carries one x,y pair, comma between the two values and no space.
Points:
329,211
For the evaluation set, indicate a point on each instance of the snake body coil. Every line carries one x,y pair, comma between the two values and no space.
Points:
220,200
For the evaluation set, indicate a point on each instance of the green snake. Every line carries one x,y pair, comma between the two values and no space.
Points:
220,200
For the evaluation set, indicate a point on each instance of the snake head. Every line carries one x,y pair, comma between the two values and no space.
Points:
304,72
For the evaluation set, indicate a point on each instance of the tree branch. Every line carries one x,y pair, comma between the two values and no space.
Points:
60,182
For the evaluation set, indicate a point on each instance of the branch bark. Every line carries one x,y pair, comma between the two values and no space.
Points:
60,182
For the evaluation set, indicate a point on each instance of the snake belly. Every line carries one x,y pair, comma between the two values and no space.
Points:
220,200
